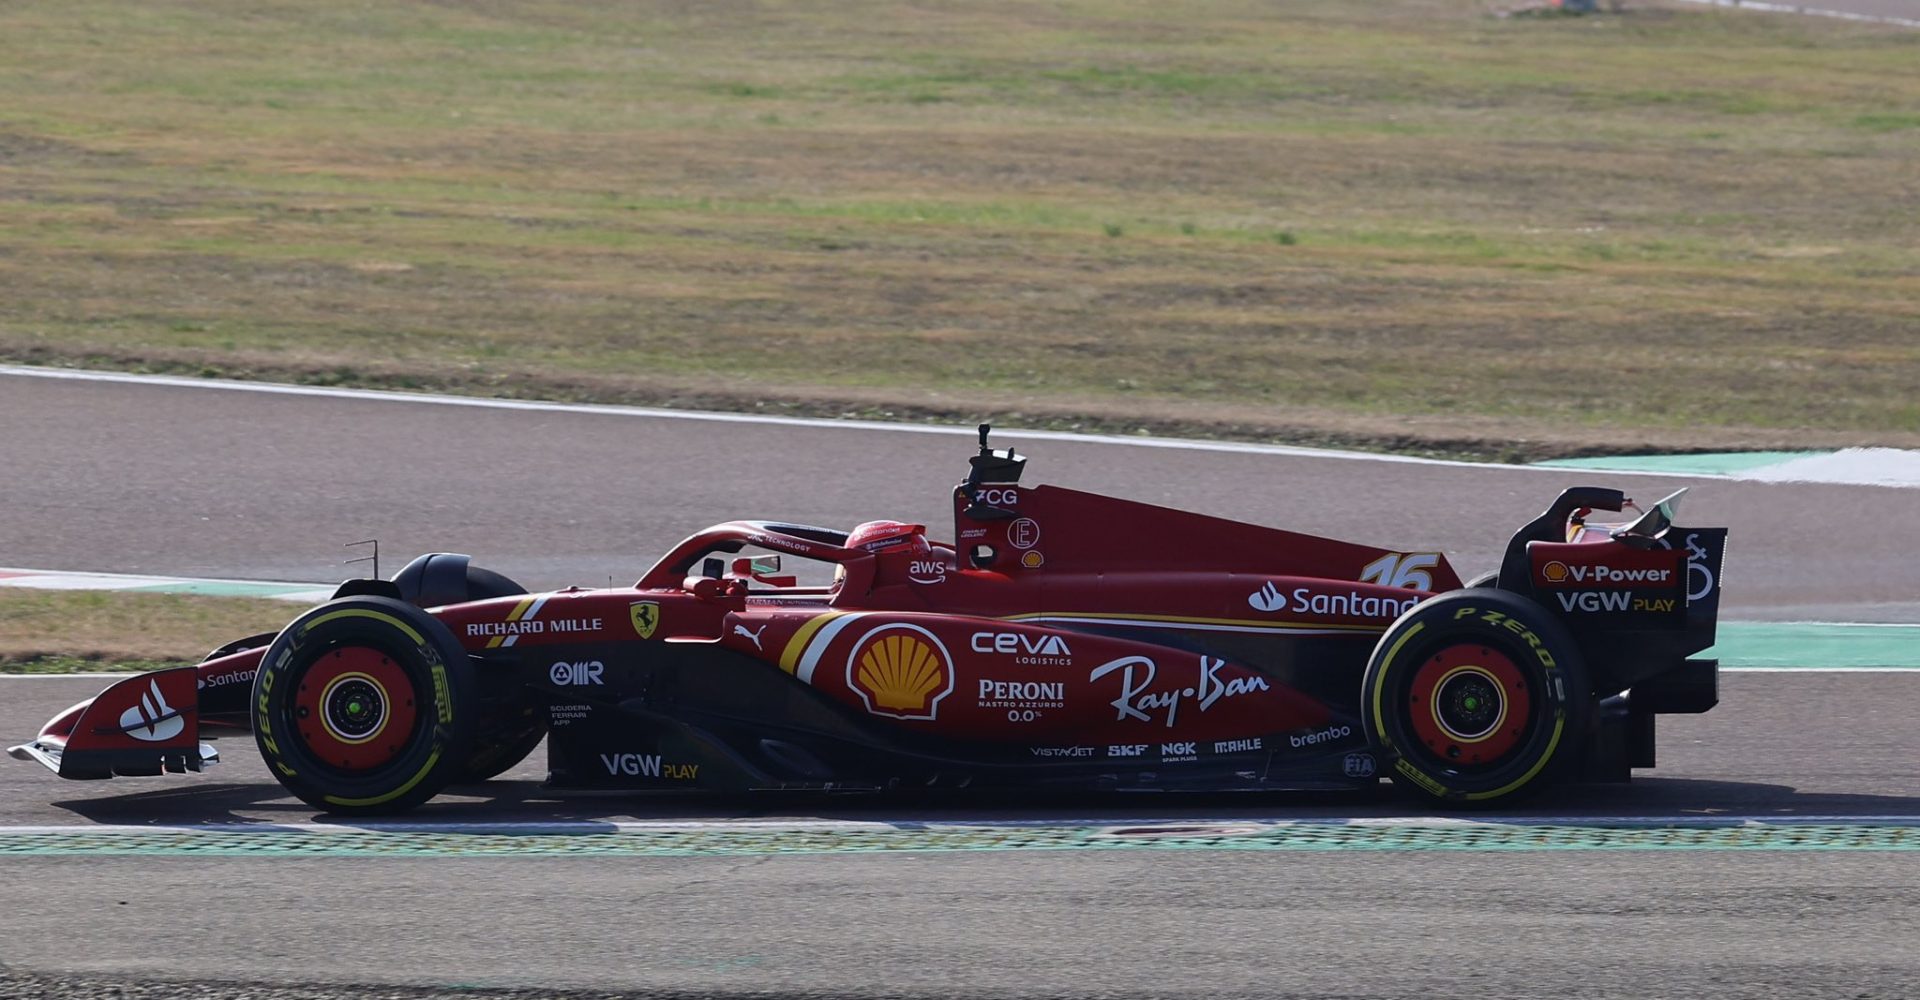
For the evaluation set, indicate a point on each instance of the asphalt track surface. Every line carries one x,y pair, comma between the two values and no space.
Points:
1905,13
171,480
119,477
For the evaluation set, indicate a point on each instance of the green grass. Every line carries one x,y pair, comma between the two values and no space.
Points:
55,664
62,631
1317,218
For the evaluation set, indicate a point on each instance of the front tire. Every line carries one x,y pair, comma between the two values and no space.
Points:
1477,697
363,706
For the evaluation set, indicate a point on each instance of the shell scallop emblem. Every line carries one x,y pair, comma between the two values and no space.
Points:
900,670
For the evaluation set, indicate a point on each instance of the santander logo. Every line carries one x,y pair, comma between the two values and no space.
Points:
1267,598
153,720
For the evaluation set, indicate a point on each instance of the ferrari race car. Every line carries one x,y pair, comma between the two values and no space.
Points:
1060,639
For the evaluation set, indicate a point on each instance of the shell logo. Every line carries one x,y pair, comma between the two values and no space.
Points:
900,670
1555,571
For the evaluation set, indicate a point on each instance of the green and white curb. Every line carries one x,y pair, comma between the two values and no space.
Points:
803,839
1848,466
40,579
1803,646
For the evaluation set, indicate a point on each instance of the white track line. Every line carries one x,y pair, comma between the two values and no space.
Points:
716,416
22,578
1820,670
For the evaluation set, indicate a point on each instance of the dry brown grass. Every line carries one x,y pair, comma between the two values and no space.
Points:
1399,222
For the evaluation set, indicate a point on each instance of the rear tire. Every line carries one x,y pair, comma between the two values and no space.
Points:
1476,698
363,706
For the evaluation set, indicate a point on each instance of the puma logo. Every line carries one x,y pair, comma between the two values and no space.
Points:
754,635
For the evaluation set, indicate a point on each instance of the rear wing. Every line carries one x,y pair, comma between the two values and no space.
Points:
1640,597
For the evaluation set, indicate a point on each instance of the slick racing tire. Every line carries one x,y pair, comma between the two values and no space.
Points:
1476,697
364,706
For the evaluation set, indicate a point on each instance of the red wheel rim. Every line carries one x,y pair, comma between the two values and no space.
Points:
354,708
1469,705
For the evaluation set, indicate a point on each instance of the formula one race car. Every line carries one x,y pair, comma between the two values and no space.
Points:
1061,639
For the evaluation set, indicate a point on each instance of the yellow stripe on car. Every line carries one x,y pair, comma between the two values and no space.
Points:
518,610
790,657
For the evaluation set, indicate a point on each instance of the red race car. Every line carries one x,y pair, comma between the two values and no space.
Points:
1059,639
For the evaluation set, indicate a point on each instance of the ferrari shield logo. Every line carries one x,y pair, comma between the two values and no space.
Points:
646,617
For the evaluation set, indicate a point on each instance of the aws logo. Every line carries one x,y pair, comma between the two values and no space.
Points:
927,571
900,670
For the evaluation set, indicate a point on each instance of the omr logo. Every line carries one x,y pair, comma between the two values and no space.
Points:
153,720
567,674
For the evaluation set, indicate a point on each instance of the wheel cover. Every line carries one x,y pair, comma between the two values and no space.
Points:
354,708
1469,706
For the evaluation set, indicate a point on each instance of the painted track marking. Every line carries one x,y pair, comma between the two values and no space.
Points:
805,839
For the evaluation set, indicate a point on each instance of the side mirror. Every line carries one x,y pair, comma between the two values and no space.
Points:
760,569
